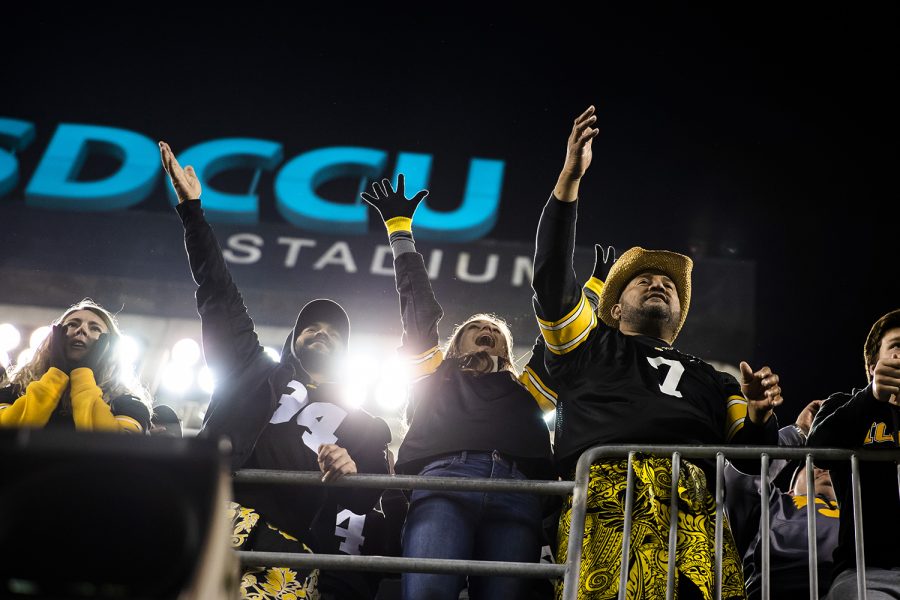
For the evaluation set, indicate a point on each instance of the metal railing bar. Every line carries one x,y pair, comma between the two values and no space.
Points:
811,529
405,482
858,529
673,526
720,521
764,523
626,530
395,564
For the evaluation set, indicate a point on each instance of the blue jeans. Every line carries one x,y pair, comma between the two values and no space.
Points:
472,526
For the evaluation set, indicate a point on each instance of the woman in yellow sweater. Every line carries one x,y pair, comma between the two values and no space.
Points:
74,379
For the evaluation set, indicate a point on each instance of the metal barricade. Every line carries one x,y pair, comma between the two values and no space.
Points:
578,488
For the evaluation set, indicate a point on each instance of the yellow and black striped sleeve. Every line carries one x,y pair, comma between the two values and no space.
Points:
564,313
543,394
592,290
422,365
564,335
735,415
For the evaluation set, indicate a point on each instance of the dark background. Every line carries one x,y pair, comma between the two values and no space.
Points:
766,135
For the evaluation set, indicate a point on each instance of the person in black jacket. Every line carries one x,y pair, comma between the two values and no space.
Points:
287,415
469,416
867,418
621,381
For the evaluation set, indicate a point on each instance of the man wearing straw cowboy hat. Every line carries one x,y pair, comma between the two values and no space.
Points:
620,381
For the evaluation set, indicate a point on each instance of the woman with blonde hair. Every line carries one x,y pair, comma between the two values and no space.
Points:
74,379
469,416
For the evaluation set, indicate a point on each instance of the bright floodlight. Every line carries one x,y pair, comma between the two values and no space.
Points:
186,352
364,368
38,336
205,380
550,416
24,357
392,389
4,359
272,353
129,350
391,395
9,337
355,394
177,378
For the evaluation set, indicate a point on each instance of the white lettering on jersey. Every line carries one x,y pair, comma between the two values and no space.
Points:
290,404
322,419
349,527
676,370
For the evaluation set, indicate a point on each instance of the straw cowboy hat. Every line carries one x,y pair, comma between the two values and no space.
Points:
637,260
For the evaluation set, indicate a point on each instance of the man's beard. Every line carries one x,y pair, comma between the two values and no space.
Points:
315,361
648,317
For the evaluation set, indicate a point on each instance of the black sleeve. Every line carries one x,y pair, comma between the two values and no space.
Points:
130,406
420,314
369,454
565,315
229,339
837,423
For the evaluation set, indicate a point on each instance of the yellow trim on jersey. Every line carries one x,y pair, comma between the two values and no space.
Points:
129,424
546,398
566,334
595,285
398,224
735,414
423,365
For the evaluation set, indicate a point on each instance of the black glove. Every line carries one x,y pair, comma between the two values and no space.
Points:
390,203
57,351
101,347
604,257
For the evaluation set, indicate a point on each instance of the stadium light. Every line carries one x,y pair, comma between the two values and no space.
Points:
177,378
39,335
9,337
186,352
205,380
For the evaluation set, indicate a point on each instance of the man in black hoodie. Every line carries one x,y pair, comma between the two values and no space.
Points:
287,415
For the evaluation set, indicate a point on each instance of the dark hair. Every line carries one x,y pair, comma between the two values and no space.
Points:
873,341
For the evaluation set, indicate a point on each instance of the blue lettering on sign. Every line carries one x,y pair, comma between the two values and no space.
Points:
477,213
295,188
54,183
15,135
217,156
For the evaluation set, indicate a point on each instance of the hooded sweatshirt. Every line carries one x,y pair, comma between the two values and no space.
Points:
272,413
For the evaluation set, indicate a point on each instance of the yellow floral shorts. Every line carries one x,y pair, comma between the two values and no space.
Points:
251,532
648,560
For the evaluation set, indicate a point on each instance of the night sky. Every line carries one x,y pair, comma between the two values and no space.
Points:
767,135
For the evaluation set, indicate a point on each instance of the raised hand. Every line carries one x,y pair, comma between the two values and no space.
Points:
57,351
807,416
762,392
392,203
185,182
886,380
103,346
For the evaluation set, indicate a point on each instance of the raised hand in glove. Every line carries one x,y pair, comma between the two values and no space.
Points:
58,341
604,257
391,203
